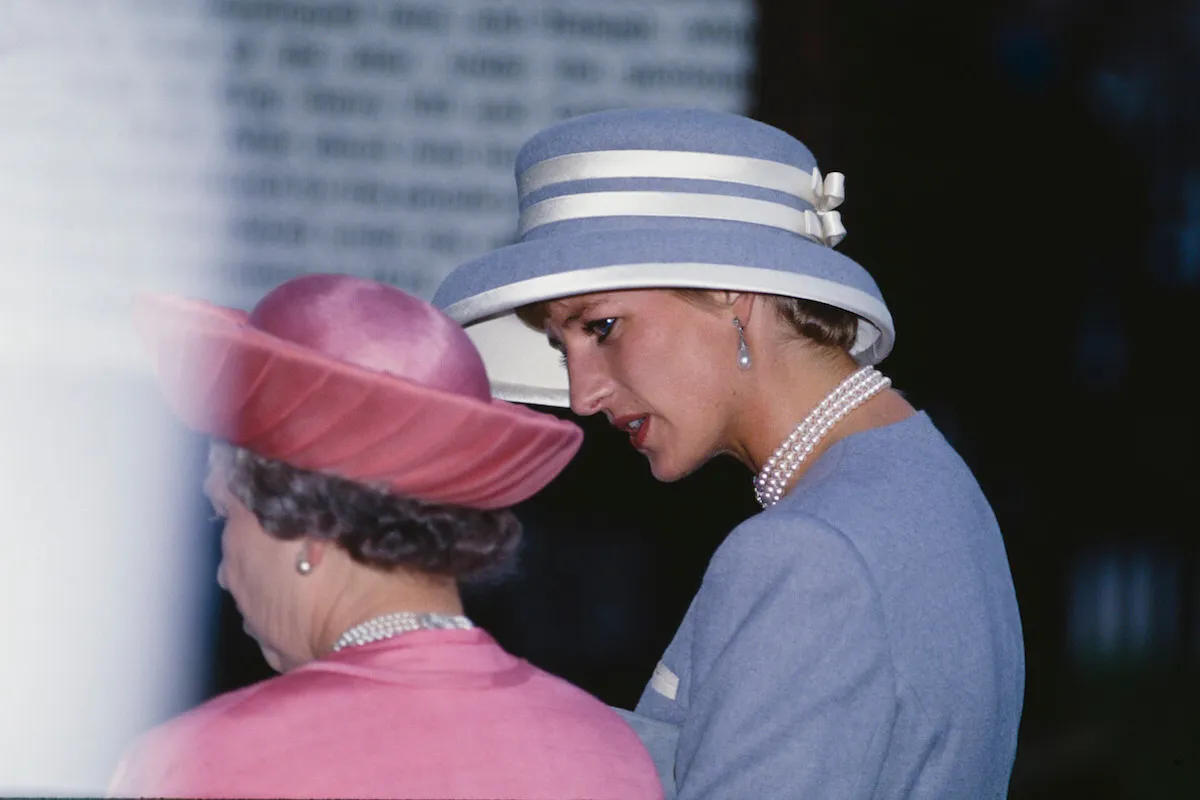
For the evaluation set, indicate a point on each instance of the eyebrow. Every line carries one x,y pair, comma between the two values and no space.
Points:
574,317
578,313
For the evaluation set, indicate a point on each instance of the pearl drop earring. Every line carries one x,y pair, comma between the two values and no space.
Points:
743,355
303,565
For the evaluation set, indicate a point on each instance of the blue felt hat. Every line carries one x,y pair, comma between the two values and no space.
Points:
645,198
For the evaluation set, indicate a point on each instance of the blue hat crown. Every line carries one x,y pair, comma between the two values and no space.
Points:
649,167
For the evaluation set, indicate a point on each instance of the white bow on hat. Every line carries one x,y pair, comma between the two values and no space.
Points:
828,193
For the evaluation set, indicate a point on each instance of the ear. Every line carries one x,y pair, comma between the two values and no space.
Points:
314,550
741,304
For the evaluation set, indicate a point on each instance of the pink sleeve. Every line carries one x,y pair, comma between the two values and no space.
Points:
148,765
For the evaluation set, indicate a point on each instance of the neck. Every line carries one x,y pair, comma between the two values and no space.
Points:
793,382
368,593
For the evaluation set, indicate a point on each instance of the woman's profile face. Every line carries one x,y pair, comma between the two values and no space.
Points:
260,572
659,367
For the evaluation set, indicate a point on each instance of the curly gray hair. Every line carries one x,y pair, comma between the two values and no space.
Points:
375,526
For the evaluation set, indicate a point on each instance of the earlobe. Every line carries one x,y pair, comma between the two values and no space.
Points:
310,555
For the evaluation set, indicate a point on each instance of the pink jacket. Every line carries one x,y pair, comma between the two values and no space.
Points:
429,714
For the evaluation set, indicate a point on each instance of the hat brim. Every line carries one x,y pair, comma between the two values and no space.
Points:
231,381
482,294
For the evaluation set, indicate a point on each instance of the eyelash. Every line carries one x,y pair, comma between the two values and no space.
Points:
593,328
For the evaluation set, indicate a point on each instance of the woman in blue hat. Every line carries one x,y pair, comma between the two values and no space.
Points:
859,638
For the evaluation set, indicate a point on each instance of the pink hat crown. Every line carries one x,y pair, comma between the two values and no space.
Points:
376,327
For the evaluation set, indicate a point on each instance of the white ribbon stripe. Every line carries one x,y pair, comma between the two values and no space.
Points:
824,228
823,194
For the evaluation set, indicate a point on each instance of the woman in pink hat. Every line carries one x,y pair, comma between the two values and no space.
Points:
362,470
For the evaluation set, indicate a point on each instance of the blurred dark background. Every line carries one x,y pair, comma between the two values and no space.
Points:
1024,184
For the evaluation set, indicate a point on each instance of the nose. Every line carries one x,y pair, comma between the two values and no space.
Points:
590,386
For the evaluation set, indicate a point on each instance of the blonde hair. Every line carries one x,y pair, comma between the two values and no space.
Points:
818,323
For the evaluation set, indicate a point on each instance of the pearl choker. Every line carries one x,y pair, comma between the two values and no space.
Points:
772,481
389,625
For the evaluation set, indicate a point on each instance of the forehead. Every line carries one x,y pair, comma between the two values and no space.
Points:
216,477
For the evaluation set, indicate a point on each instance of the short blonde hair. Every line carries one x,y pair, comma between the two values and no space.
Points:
821,324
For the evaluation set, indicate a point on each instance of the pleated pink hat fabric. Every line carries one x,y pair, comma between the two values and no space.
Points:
354,378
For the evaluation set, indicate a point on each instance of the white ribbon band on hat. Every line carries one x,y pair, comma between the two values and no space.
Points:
824,228
822,193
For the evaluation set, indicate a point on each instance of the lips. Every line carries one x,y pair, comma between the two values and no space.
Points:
637,426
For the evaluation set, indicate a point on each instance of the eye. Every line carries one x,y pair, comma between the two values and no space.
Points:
600,328
560,347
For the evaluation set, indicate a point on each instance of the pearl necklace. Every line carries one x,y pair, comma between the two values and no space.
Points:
772,481
389,625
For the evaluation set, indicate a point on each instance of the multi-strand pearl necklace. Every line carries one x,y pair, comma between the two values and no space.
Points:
389,625
772,481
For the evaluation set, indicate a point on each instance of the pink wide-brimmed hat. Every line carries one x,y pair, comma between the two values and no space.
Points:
357,379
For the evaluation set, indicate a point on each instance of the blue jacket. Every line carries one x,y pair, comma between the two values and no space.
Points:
860,639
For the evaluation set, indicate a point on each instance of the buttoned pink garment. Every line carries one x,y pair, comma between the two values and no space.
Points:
428,714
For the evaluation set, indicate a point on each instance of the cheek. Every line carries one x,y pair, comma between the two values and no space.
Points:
255,571
229,571
242,551
688,382
691,404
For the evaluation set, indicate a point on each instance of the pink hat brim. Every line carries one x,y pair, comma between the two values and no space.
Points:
229,380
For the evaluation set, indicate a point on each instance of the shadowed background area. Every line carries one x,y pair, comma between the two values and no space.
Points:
1023,181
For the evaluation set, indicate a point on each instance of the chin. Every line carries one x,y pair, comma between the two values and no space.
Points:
274,660
667,471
